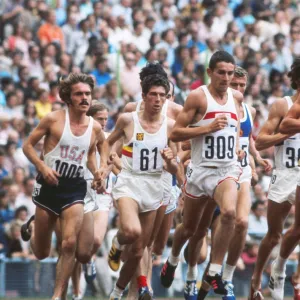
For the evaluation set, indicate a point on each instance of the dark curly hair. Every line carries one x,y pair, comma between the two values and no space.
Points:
65,85
151,69
155,80
294,74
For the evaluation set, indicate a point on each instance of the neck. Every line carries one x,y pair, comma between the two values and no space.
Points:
218,94
76,116
151,117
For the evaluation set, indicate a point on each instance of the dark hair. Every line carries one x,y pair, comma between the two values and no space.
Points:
65,85
155,80
26,179
256,204
240,72
26,106
294,74
173,88
151,69
19,209
220,56
95,108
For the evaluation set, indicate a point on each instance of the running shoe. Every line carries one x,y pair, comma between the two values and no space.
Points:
230,293
114,257
26,231
167,274
276,284
145,294
190,290
89,270
217,284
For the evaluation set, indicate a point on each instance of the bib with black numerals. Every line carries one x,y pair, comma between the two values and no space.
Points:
291,153
146,158
244,145
220,146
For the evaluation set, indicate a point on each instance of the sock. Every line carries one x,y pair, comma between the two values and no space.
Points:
117,292
142,281
173,260
202,294
192,273
214,269
228,272
280,264
117,244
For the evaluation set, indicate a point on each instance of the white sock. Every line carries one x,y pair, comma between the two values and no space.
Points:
228,272
117,244
116,293
192,273
173,260
280,265
214,269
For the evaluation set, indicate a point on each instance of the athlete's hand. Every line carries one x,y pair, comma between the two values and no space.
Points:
220,122
240,154
98,183
265,163
167,154
50,176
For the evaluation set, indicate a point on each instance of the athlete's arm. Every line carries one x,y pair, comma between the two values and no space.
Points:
291,123
195,102
117,134
41,130
255,155
267,136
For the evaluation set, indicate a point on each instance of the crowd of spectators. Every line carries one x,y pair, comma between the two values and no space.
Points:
43,40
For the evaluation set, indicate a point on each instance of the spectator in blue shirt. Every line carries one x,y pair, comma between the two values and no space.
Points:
101,73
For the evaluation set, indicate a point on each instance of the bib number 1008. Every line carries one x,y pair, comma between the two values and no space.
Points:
220,147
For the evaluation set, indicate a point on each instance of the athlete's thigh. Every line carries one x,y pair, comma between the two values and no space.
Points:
226,195
44,223
243,204
193,210
276,215
160,214
128,213
297,208
71,220
100,224
86,234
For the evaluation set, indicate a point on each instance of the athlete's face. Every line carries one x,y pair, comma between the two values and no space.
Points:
221,76
81,97
239,84
101,117
155,99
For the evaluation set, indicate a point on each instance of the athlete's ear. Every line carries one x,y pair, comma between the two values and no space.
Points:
144,96
209,71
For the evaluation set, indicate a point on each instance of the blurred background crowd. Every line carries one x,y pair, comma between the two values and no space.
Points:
43,40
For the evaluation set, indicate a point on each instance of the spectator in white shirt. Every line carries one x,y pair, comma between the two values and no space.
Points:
25,198
257,220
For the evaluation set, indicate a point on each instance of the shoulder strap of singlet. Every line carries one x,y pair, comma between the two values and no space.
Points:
248,111
165,108
289,101
138,107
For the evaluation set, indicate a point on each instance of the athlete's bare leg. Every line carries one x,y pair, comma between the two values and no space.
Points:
76,274
226,197
100,228
276,215
71,222
193,210
138,232
292,236
238,239
41,232
144,265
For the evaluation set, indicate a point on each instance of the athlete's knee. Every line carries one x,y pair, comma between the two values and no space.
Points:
137,252
68,245
228,215
84,258
131,233
42,253
273,238
241,224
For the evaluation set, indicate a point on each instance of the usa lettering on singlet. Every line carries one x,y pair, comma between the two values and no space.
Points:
69,156
109,179
141,154
287,153
245,130
217,149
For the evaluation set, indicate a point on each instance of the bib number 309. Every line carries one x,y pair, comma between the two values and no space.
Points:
220,147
